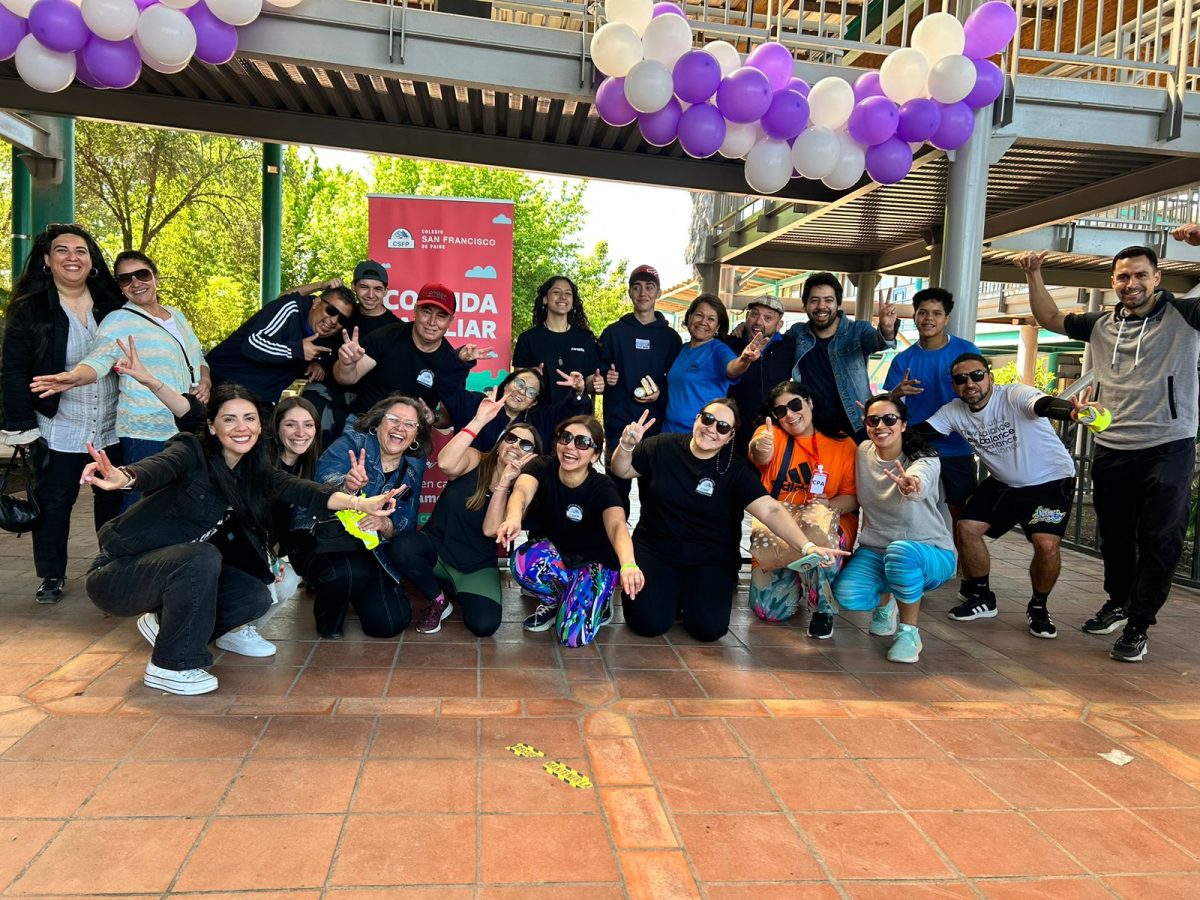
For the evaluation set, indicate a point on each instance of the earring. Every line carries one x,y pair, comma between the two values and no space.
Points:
45,270
414,446
94,272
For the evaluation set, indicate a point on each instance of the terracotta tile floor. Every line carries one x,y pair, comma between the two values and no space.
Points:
768,766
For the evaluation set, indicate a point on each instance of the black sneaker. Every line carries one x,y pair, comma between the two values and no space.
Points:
1107,620
981,606
543,617
820,626
606,614
50,591
1131,647
1040,623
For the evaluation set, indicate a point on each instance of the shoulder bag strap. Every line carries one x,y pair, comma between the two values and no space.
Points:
781,476
187,362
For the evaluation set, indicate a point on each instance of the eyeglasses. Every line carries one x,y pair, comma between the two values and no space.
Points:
522,387
410,424
331,310
526,445
888,419
124,279
708,420
796,404
581,441
977,376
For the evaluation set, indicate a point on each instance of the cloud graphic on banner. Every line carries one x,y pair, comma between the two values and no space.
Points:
401,239
502,219
480,272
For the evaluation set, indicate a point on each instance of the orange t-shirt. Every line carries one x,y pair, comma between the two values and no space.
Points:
835,455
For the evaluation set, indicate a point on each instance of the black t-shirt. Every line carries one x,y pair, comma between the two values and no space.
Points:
816,373
572,518
369,324
457,532
692,512
399,367
573,350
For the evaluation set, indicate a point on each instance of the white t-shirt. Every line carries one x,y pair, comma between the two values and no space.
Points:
1019,447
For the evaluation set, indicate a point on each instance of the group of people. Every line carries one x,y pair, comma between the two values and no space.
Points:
215,493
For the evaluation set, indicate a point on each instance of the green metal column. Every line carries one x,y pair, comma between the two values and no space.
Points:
53,198
21,214
272,220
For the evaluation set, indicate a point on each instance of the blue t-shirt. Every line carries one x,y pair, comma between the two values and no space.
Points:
932,369
696,377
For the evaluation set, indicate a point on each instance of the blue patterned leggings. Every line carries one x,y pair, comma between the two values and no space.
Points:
776,596
907,569
581,594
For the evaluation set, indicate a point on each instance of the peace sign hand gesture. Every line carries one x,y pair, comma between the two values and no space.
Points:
102,473
754,349
632,435
351,351
489,407
887,316
356,477
908,386
908,484
574,380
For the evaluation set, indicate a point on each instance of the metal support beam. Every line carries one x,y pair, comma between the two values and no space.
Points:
24,134
52,197
865,284
22,214
710,277
272,221
962,246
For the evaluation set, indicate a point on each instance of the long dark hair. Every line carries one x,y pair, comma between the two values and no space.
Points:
35,288
373,416
912,444
242,486
576,317
795,387
306,464
491,459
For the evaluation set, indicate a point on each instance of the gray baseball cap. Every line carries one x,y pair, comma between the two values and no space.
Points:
769,302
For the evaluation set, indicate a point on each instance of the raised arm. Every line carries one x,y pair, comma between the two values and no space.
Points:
353,363
1044,309
49,385
132,365
458,456
751,354
622,457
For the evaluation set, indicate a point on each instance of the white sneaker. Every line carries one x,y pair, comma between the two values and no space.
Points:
147,624
246,641
186,683
885,618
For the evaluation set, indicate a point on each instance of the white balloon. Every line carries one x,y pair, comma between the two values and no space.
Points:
166,36
634,13
815,152
852,160
235,12
20,7
726,55
951,79
769,166
903,74
41,68
666,39
648,86
739,139
616,48
830,103
282,4
179,4
938,35
113,20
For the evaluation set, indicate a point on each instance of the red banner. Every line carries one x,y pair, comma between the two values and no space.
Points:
467,245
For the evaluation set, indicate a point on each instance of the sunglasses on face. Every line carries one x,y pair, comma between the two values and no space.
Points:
124,279
334,312
581,441
888,419
520,387
410,424
977,376
796,404
525,444
708,420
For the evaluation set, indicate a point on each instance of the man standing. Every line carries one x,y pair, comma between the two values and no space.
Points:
764,315
1032,482
1144,354
921,376
636,352
277,344
832,353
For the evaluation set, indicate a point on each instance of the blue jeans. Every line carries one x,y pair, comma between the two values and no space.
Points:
135,450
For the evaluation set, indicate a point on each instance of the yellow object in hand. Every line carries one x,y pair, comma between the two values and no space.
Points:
1097,418
350,519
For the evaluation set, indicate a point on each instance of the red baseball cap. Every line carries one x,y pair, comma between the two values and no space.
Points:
435,294
644,273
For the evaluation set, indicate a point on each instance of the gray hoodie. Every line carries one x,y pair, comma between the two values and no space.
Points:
1146,369
887,514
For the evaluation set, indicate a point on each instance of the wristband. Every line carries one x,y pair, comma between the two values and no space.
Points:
128,486
631,565
473,434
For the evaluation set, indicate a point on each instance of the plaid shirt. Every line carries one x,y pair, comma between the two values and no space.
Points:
86,413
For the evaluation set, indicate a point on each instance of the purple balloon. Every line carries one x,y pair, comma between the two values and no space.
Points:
662,127
612,104
667,9
84,75
786,116
873,120
919,119
12,29
144,4
115,64
958,121
989,29
799,85
744,95
701,130
59,25
697,76
989,82
889,161
775,61
867,85
216,41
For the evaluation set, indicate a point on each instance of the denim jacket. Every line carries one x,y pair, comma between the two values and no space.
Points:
853,342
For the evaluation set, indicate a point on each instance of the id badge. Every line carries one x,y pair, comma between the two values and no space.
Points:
817,486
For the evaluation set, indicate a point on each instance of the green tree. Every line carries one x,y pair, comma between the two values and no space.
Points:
1043,378
7,276
324,220
602,286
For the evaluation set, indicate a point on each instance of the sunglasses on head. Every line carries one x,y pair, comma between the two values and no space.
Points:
796,404
977,376
126,278
525,444
888,419
581,441
331,310
708,420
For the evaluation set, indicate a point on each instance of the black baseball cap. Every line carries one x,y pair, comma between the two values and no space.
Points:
368,268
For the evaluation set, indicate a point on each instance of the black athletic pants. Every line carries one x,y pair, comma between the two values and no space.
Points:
705,592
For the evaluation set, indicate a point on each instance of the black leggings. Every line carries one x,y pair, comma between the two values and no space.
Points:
414,554
705,593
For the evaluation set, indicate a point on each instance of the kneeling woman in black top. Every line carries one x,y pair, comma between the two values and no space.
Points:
694,492
194,548
582,551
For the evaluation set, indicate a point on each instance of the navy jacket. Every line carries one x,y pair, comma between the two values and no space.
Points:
636,350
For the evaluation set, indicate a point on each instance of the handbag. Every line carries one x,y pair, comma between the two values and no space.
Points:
17,514
816,519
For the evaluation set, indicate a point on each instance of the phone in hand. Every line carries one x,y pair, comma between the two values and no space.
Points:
805,562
